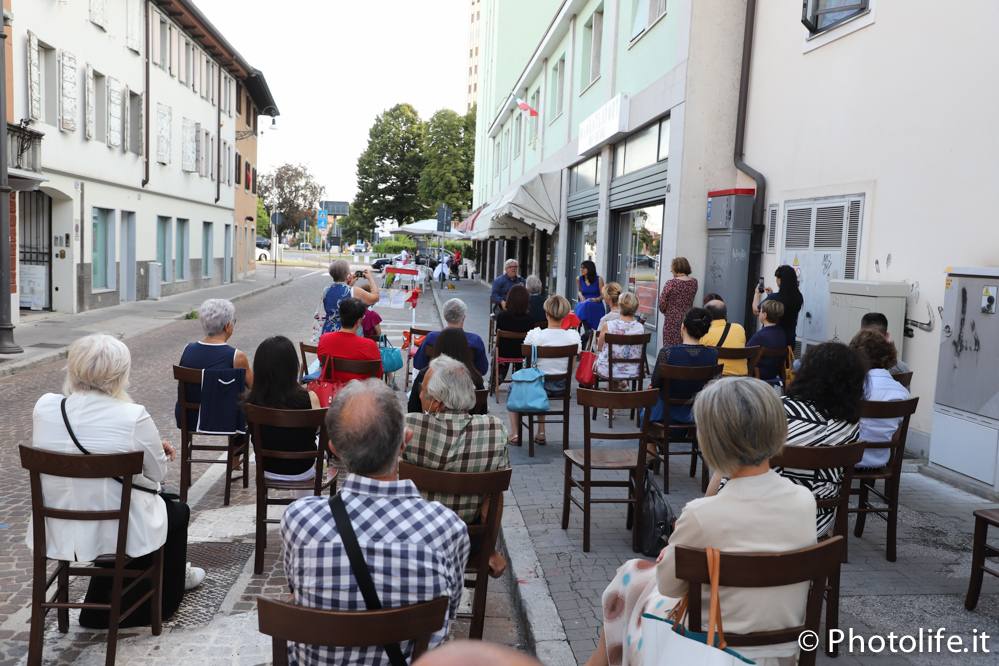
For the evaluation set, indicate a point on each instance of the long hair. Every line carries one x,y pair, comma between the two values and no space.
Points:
788,283
831,378
452,342
518,301
591,271
275,376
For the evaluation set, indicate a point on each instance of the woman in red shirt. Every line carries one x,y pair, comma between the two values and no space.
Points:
346,343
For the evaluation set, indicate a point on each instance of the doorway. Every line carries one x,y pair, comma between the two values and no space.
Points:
227,273
127,259
35,251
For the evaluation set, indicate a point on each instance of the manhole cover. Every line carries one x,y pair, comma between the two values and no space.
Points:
48,345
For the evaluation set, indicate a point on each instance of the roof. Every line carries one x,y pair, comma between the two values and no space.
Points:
259,91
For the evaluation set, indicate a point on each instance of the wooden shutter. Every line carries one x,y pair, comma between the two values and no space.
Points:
189,159
90,114
68,104
199,150
164,117
254,180
155,41
114,112
798,228
233,96
181,59
853,238
772,229
133,25
174,51
126,117
203,87
239,165
34,79
213,162
98,13
141,129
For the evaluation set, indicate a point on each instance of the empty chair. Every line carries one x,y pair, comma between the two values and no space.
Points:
984,518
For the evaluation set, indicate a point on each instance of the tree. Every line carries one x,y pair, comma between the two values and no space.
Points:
449,151
292,191
388,171
263,219
359,223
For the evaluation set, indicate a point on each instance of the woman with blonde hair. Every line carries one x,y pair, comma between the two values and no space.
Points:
611,293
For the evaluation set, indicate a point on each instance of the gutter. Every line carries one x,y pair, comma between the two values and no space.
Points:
146,104
759,200
218,136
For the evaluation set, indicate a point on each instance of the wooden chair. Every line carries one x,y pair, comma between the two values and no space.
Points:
541,324
371,368
903,378
638,364
983,519
827,457
568,352
772,353
185,376
496,381
588,459
411,351
285,418
751,355
77,466
285,622
489,484
429,350
481,401
815,564
306,348
891,473
659,433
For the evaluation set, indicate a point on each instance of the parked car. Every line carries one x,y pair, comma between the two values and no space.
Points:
381,263
263,254
305,247
644,260
263,243
358,248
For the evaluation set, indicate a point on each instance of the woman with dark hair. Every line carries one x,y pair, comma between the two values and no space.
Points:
450,342
515,319
676,298
276,365
591,301
691,353
788,296
880,355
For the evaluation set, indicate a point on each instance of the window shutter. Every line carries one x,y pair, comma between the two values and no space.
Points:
181,59
114,112
68,105
772,229
164,116
141,129
126,105
98,14
174,51
853,238
34,79
189,159
247,173
254,180
232,97
90,113
213,82
641,18
798,228
201,151
212,157
133,25
829,227
239,165
203,87
156,38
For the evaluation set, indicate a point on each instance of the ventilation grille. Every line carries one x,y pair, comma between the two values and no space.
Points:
829,227
772,229
853,239
798,229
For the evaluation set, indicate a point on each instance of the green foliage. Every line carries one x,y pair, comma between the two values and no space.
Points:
394,246
388,171
449,151
263,220
292,191
193,314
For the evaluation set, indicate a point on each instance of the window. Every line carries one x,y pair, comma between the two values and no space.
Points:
536,105
164,50
643,148
645,13
100,107
207,248
188,63
239,98
183,249
102,251
497,152
49,75
585,175
638,237
248,172
592,34
821,15
164,251
518,135
506,147
135,120
558,87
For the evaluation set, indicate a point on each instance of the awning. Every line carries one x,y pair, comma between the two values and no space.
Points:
535,204
427,228
466,225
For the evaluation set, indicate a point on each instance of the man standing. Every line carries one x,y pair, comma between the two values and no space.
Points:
875,321
454,316
503,284
416,550
725,334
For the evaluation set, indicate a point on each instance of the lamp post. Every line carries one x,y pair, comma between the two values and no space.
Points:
7,344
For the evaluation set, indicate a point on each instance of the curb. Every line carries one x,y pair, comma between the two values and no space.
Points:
59,354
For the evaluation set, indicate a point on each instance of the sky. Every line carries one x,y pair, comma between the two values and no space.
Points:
333,66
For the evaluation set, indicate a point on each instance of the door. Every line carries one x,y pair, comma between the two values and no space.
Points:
227,273
35,251
127,259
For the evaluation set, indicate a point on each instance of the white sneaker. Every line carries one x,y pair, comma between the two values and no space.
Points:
194,577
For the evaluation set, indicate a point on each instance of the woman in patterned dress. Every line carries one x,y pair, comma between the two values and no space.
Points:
625,324
327,318
677,297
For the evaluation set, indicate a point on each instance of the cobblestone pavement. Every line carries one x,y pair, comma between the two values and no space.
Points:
216,624
924,588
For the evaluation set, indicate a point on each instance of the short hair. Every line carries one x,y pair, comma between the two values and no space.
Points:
98,363
366,427
365,286
717,310
711,297
680,265
339,270
454,311
215,314
877,351
506,264
450,383
875,321
557,307
773,309
629,304
518,301
697,321
831,378
612,290
533,284
740,423
351,311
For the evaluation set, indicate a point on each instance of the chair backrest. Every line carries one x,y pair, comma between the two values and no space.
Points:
749,354
306,349
79,466
697,373
903,378
463,483
481,401
591,399
541,324
892,409
507,335
766,352
429,351
370,368
565,351
285,418
613,339
185,376
417,332
814,564
285,622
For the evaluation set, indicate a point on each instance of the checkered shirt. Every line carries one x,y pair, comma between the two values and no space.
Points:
416,551
457,442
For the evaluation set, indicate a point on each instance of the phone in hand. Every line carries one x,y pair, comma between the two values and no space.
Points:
760,288
358,274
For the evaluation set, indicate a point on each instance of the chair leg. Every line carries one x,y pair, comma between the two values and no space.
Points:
62,614
261,529
892,520
566,493
586,509
629,514
479,606
185,467
246,460
666,465
228,476
704,477
977,562
495,379
693,459
832,612
36,635
408,357
156,609
530,434
114,620
858,530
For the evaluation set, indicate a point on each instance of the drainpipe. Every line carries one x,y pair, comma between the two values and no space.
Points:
218,138
147,102
759,201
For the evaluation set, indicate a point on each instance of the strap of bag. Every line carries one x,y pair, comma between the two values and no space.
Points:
721,340
714,614
360,569
72,435
328,370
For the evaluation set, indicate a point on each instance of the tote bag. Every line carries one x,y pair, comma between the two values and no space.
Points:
584,371
528,391
391,357
325,389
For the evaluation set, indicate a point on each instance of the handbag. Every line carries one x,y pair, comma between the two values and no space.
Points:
657,519
391,357
317,322
325,389
360,570
527,393
789,366
585,374
671,643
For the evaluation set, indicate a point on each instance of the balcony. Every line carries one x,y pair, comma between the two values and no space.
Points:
24,148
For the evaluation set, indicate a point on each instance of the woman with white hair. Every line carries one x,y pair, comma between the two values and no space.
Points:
328,313
98,413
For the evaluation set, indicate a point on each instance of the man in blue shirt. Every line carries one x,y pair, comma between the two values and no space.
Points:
504,283
454,315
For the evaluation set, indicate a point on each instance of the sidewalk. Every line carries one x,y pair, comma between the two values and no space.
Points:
924,588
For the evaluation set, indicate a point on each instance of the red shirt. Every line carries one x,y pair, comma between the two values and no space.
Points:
340,344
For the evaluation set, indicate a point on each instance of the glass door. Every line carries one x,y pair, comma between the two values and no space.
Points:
639,234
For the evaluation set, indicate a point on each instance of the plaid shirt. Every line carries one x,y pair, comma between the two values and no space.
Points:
416,551
456,442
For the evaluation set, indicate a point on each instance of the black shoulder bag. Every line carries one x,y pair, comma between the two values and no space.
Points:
360,568
721,340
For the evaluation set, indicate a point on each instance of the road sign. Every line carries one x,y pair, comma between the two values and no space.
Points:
443,217
321,221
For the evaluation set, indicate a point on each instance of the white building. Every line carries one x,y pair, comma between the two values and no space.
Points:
136,99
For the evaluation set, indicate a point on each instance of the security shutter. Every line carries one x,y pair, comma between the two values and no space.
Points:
772,229
133,25
114,112
34,79
68,105
164,117
90,115
798,227
853,238
189,159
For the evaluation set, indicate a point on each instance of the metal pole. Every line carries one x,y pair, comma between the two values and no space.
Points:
7,345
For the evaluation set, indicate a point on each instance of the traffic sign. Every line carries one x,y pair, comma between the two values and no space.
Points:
321,221
443,217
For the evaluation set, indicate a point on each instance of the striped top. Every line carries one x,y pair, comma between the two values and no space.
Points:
806,426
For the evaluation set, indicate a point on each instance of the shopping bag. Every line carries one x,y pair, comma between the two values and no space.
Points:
527,393
657,519
584,371
391,357
326,386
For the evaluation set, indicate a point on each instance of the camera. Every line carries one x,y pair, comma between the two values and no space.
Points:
358,274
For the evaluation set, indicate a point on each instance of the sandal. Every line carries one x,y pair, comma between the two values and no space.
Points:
540,440
514,440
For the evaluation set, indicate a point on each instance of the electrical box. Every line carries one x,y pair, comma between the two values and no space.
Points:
154,280
850,300
730,223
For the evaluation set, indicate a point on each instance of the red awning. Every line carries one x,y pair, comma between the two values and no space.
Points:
468,223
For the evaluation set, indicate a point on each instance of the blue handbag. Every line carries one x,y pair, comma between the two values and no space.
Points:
527,393
391,357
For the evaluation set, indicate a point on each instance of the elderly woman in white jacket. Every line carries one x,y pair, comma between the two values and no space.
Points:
105,420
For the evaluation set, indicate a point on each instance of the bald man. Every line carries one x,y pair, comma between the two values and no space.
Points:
725,334
475,653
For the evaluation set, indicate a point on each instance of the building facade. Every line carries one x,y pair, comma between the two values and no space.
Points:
473,54
137,103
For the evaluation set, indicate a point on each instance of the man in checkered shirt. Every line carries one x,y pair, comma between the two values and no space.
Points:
448,438
416,550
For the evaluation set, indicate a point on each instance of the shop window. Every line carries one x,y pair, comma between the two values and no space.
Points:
183,249
641,149
585,175
164,251
638,238
207,249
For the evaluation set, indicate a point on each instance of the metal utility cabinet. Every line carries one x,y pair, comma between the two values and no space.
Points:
730,223
965,435
850,300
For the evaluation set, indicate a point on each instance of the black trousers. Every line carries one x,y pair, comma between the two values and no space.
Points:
174,577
